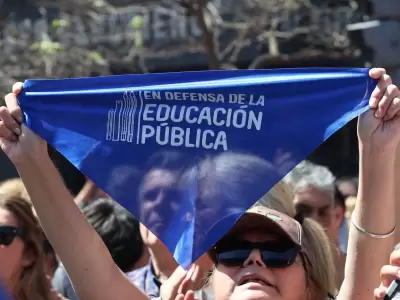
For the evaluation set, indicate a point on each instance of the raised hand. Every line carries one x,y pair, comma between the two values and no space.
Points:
388,274
380,126
16,140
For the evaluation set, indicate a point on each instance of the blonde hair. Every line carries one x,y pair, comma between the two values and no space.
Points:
318,263
14,187
33,283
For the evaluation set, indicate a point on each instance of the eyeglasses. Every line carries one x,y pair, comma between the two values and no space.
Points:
271,256
8,234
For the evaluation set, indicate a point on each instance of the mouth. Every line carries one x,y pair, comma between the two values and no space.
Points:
254,278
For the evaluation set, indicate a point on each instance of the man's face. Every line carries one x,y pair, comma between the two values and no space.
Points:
317,205
160,200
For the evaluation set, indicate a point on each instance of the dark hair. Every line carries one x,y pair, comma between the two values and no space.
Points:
339,198
168,160
119,230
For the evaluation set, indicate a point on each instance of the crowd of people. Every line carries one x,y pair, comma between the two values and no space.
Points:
311,237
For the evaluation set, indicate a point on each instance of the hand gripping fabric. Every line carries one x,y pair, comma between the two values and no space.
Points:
182,150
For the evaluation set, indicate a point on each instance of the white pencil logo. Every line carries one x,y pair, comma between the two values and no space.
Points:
121,119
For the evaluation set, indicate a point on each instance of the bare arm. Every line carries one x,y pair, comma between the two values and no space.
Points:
375,212
92,270
397,193
379,136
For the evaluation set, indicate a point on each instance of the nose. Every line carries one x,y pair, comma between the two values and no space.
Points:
254,258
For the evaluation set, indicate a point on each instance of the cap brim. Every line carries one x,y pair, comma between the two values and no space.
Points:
249,221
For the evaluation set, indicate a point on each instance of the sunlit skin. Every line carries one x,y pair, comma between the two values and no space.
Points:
277,284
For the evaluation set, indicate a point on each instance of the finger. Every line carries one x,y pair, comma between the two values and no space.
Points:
13,107
9,121
391,92
376,73
379,90
17,87
185,283
388,274
180,297
393,109
6,132
184,287
395,258
379,293
172,286
189,295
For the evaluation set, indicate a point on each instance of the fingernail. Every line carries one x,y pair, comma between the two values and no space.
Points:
17,131
398,273
378,114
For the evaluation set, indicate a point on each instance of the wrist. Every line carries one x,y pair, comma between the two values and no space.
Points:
377,153
32,161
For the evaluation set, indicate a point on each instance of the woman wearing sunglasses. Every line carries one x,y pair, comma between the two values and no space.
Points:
264,254
22,261
95,275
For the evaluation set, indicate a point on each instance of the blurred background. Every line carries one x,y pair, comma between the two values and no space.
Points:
80,38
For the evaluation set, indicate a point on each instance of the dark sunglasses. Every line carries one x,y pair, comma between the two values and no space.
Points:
273,257
8,234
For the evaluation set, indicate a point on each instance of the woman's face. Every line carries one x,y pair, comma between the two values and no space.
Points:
254,280
12,258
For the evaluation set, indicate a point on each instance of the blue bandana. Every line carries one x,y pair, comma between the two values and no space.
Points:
182,151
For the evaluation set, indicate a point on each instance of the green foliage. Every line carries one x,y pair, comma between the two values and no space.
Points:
59,23
47,47
97,58
137,22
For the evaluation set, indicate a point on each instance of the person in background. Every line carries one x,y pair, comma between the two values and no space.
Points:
22,260
160,194
15,187
340,220
120,233
314,197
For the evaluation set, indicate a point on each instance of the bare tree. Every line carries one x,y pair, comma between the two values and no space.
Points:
77,38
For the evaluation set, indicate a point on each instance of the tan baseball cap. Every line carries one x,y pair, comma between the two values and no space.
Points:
262,218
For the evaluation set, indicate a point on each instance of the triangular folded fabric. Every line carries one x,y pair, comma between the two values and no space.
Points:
183,150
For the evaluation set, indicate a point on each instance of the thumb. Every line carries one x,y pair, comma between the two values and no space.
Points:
380,293
17,87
